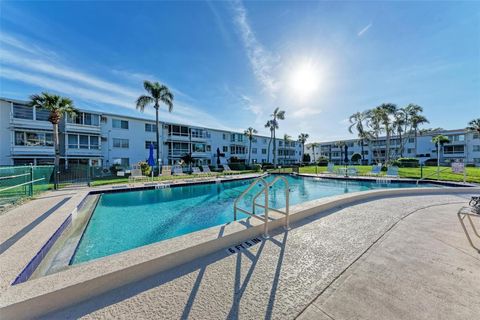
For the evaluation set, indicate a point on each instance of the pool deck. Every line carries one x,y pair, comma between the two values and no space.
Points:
392,258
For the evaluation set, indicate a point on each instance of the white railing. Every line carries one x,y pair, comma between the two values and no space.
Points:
265,190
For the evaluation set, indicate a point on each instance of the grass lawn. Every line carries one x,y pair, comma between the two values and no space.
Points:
473,174
117,180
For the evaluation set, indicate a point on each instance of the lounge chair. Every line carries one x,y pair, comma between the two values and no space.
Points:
226,168
177,171
166,171
136,174
196,170
331,168
352,171
392,171
376,170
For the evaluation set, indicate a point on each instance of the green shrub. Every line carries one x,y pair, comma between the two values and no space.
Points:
237,166
407,162
430,162
356,157
256,167
322,162
146,169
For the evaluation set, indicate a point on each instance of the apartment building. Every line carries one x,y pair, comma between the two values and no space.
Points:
104,139
463,146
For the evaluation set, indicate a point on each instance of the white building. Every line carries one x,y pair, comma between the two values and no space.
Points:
104,139
463,146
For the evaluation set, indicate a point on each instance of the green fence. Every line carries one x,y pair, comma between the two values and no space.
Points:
21,182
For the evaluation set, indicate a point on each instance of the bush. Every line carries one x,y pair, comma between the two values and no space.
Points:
306,158
407,162
256,167
115,168
237,166
356,157
430,162
470,165
322,162
146,169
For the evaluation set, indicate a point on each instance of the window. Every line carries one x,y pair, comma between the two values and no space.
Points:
254,140
209,148
91,119
457,138
476,148
476,136
410,150
254,150
264,151
280,143
178,130
73,141
21,111
225,149
123,162
83,141
198,147
19,138
119,124
94,142
224,136
453,149
234,149
150,127
120,143
41,114
147,144
476,160
33,139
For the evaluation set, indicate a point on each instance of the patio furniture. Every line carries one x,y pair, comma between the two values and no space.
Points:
468,213
376,170
166,171
177,171
331,168
226,168
392,171
352,171
196,170
136,174
120,173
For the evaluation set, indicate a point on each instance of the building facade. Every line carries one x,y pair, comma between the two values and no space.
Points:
463,146
105,139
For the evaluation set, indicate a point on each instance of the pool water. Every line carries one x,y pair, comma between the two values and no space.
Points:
127,220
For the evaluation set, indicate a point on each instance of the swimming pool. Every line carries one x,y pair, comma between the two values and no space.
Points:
127,220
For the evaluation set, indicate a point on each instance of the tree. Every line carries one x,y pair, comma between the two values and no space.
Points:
270,125
400,120
250,133
58,107
357,121
439,141
188,159
474,125
415,119
313,146
276,115
381,117
302,137
157,93
286,140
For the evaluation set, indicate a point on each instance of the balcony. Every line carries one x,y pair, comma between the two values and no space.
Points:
84,151
81,128
32,150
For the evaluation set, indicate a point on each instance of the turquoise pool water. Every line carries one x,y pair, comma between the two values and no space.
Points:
127,220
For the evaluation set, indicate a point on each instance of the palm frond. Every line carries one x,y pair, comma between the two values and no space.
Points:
143,101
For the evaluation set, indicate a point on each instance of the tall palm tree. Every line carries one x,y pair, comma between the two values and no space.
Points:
400,119
302,137
272,126
276,115
382,115
358,121
286,139
58,107
250,133
341,145
474,125
415,119
439,141
157,93
313,146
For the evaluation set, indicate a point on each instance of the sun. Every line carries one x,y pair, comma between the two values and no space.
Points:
304,80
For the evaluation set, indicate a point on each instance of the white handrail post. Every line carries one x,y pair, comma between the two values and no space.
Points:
265,228
287,206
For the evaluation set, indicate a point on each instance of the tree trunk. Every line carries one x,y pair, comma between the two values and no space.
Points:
56,163
274,150
313,150
361,141
387,152
157,160
303,152
401,144
415,142
250,152
269,147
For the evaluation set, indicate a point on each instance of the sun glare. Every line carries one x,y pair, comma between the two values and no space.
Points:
305,80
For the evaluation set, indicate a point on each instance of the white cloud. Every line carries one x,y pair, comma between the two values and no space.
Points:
261,61
364,29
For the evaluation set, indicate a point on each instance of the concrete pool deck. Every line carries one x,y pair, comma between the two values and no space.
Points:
279,278
365,261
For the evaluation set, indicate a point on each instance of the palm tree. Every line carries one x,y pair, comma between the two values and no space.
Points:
157,93
313,146
286,139
415,119
357,121
474,125
250,132
382,115
341,145
439,141
272,126
58,107
302,137
400,119
276,115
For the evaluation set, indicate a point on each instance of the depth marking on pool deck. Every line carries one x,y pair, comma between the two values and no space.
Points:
243,246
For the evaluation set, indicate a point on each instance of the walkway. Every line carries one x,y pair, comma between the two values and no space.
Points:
389,259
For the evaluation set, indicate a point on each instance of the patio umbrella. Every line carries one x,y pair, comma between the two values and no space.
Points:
151,160
218,157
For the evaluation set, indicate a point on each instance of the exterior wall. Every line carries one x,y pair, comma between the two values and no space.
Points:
5,133
459,139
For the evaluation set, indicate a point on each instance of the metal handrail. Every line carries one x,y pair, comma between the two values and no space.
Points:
265,190
21,184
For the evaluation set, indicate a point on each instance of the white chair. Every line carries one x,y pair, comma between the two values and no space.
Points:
196,170
392,171
177,171
226,168
136,174
166,171
376,170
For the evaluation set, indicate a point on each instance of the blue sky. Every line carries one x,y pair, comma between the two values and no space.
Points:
230,64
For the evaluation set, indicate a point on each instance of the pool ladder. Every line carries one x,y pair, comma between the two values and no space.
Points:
265,190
